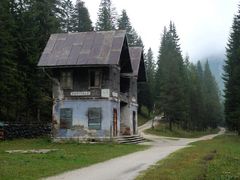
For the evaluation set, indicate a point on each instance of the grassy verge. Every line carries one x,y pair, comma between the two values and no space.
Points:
68,156
163,130
213,159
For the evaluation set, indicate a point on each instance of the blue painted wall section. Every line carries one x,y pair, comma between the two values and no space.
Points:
79,127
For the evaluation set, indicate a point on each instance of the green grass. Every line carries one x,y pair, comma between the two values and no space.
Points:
216,159
69,156
163,130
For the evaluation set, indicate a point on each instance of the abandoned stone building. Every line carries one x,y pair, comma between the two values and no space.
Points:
95,76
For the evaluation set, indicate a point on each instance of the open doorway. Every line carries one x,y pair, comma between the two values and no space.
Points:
134,122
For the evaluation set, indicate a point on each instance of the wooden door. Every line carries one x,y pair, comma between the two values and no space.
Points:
115,123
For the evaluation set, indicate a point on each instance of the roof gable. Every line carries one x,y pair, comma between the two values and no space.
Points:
136,55
84,48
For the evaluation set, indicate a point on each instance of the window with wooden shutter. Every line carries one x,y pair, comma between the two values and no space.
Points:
94,118
66,118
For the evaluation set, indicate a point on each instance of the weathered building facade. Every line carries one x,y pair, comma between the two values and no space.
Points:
94,77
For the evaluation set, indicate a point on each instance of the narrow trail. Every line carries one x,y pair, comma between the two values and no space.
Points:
128,167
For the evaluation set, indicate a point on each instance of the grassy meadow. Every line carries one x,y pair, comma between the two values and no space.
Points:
216,159
68,156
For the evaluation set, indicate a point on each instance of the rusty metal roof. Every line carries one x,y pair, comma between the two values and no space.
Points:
137,61
84,48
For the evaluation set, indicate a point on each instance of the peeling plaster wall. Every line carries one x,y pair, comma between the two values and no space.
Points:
125,113
79,106
127,118
80,118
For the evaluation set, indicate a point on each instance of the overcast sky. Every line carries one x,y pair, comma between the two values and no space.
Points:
202,25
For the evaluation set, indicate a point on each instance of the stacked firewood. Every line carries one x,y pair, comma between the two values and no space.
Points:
24,130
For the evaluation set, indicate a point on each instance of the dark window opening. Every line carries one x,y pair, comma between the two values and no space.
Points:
94,118
124,84
66,118
95,78
92,79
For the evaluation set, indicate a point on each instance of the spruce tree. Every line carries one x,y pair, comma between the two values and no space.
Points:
40,98
9,83
67,16
25,92
212,98
170,77
150,72
124,22
203,117
132,36
232,77
200,70
34,22
196,105
81,19
106,16
150,69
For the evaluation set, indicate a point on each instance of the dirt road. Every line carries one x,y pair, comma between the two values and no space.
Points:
129,166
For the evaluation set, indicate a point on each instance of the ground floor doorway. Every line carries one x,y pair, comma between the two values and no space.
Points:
115,122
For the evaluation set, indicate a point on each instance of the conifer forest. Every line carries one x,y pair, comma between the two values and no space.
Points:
184,93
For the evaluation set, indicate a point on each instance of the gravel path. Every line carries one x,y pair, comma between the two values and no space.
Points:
128,167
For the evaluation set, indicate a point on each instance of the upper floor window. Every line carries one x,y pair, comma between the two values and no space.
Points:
124,84
66,80
95,78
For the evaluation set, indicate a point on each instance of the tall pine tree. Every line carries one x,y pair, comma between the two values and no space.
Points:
67,16
196,106
232,77
212,98
170,77
125,24
150,72
10,88
81,19
34,21
106,16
